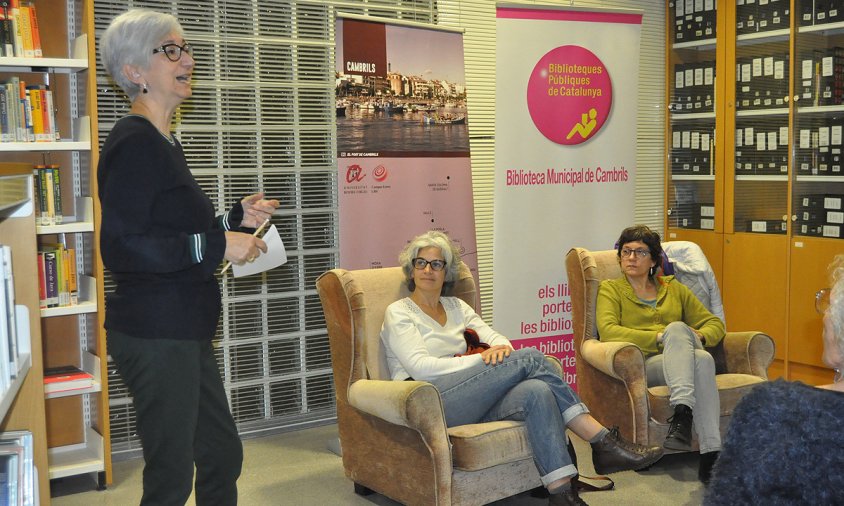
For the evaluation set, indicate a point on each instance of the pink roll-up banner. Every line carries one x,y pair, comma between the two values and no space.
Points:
402,139
565,159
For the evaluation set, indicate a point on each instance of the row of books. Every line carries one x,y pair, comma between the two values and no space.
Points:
820,214
762,82
18,474
57,276
694,215
819,149
693,19
821,12
48,195
694,87
9,354
691,151
762,150
66,378
822,77
19,34
27,113
753,16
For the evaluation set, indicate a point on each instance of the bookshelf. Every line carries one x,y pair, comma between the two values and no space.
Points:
22,405
75,432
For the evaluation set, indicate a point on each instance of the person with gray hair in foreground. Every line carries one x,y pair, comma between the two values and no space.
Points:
784,443
162,243
431,336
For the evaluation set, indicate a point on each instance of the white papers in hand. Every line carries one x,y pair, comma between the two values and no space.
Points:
275,256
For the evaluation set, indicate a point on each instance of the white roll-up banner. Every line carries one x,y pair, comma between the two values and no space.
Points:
565,159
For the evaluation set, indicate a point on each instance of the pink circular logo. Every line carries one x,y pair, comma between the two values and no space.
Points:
569,95
380,173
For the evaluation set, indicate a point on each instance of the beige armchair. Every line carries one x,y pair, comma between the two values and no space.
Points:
611,376
393,434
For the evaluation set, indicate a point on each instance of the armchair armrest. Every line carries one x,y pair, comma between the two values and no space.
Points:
622,361
748,353
412,404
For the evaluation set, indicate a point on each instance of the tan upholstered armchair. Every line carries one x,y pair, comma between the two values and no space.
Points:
611,376
393,434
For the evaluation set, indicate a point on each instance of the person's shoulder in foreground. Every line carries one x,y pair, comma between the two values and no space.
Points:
784,445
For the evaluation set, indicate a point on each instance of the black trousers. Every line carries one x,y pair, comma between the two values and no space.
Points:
183,419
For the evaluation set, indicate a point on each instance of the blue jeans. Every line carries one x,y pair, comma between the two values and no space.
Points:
524,388
689,372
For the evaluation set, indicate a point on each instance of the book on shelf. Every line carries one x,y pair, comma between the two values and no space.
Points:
8,323
66,378
48,194
7,43
11,473
21,443
60,276
9,289
36,35
43,115
25,23
51,276
42,282
19,32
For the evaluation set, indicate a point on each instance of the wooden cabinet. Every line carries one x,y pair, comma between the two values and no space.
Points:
77,431
776,177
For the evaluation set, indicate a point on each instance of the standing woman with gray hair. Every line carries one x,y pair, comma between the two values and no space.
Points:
162,243
429,336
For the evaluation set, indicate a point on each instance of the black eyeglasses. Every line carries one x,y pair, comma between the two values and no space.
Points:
174,51
420,263
640,253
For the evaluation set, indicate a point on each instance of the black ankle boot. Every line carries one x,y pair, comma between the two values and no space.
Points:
704,470
680,432
567,497
613,454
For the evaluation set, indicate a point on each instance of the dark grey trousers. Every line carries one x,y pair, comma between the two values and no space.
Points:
183,419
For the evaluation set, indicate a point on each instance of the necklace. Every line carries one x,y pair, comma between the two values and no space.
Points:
168,137
838,376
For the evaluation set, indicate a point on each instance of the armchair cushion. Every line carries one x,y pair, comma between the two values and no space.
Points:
396,401
483,445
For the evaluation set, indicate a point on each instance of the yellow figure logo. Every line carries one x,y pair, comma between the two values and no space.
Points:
586,125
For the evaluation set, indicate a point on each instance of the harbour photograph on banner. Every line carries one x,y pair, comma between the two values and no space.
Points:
403,155
399,89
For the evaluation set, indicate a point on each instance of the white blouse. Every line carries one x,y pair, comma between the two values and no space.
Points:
418,346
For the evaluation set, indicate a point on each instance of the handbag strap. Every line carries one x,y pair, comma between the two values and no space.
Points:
588,487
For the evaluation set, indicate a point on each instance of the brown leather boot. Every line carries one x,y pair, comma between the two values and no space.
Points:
613,454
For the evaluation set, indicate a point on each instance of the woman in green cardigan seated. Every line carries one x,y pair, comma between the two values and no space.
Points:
671,326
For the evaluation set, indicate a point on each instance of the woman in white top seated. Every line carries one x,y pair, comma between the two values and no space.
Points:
424,339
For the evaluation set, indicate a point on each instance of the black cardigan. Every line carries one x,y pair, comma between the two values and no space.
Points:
159,237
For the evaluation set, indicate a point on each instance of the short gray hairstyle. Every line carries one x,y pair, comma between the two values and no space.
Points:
435,239
836,300
130,39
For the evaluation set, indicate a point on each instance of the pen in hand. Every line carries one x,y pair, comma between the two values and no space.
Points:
257,231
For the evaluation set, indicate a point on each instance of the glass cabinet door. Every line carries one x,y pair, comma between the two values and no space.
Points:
818,183
691,106
760,155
